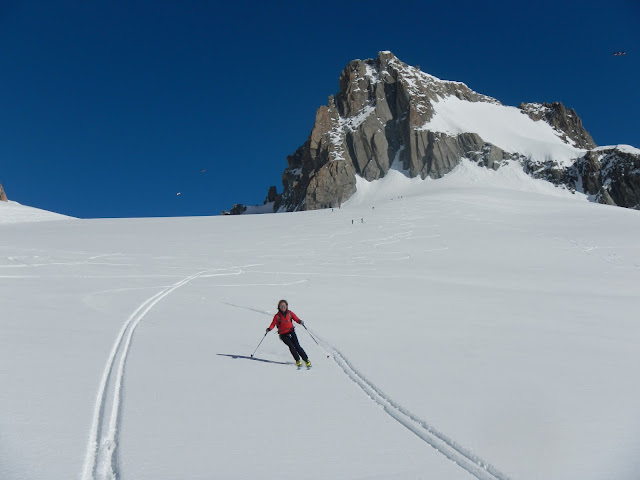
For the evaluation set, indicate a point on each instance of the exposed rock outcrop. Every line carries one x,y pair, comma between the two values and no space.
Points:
380,119
3,196
609,175
565,122
238,209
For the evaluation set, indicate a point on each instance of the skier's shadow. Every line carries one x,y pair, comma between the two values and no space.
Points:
253,358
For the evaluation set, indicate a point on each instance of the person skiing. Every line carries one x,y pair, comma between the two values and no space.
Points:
286,331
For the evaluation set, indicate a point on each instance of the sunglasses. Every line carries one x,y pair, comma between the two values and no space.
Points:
282,306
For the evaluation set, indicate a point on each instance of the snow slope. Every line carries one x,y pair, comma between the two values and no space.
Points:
621,148
473,331
13,212
506,127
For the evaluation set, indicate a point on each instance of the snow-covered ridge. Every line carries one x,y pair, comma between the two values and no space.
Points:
13,212
621,148
503,126
418,82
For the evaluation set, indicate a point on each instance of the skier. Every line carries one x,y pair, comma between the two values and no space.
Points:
283,320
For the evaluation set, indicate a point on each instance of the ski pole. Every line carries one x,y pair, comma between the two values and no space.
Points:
305,327
312,338
259,344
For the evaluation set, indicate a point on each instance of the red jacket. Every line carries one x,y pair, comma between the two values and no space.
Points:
283,322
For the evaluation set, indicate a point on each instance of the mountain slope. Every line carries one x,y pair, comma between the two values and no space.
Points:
13,212
389,115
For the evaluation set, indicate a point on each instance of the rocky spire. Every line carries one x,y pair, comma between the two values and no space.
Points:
373,121
3,196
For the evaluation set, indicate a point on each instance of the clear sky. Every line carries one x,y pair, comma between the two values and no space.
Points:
110,108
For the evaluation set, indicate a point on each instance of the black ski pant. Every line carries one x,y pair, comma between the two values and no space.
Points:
291,340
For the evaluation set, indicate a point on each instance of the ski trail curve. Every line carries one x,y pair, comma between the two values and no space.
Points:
455,452
101,461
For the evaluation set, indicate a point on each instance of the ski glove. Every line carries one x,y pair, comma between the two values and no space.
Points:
301,322
268,330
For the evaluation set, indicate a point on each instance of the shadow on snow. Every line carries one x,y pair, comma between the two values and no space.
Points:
253,358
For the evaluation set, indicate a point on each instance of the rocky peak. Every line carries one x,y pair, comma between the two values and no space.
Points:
381,118
3,196
369,83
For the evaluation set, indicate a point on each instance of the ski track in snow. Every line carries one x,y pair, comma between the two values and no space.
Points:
448,447
615,258
101,461
455,452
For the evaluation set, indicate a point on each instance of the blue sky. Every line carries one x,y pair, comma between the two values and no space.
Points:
108,109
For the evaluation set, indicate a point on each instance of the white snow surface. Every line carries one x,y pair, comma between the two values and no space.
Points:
510,176
13,212
503,126
621,147
474,327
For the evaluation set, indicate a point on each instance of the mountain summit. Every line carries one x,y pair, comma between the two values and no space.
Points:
389,115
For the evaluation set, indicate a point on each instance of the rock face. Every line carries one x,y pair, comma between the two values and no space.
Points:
562,120
617,181
237,209
3,196
380,118
608,175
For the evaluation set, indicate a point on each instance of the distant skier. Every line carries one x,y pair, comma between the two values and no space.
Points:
283,320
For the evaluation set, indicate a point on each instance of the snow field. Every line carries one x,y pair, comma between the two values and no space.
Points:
503,126
497,321
13,212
